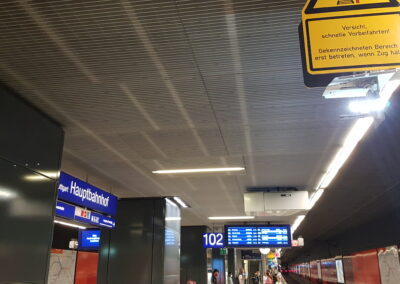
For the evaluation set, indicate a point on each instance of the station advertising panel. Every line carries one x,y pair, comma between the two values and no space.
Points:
213,240
76,191
258,236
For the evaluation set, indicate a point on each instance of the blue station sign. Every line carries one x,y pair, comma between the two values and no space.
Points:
65,210
213,240
82,215
76,191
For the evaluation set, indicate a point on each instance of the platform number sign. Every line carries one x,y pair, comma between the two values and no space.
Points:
213,240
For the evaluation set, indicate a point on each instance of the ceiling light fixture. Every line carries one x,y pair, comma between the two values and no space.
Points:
390,87
379,104
173,218
181,202
205,170
44,176
297,222
231,218
346,93
356,133
69,225
315,197
368,106
6,194
169,201
265,250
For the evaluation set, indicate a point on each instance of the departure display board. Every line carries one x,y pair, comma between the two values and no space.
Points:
258,236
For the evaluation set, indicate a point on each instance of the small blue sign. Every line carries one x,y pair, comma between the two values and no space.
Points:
213,240
65,210
78,192
103,221
84,216
89,239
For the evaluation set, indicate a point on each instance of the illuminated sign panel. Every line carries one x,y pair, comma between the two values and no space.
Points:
76,213
89,239
213,240
351,36
76,191
258,236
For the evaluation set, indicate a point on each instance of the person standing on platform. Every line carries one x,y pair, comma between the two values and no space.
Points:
230,278
214,277
268,278
241,276
280,279
256,278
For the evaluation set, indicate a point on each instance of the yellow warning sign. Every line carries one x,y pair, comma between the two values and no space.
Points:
353,39
335,3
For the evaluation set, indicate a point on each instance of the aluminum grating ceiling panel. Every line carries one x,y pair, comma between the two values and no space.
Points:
144,85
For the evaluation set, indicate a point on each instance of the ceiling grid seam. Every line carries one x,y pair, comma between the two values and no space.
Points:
139,106
141,32
222,183
230,20
206,91
153,144
220,180
45,27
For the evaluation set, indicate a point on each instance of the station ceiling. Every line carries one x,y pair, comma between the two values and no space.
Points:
146,85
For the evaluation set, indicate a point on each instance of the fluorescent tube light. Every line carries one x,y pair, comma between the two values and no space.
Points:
45,176
6,194
346,93
315,197
367,106
206,170
376,105
180,202
353,137
171,202
69,225
173,218
231,218
390,87
297,222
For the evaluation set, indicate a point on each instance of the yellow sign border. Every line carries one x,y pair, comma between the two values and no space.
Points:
337,13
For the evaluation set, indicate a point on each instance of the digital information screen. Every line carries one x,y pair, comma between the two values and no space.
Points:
89,239
258,236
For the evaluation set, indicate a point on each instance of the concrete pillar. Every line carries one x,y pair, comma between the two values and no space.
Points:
144,246
232,261
193,255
